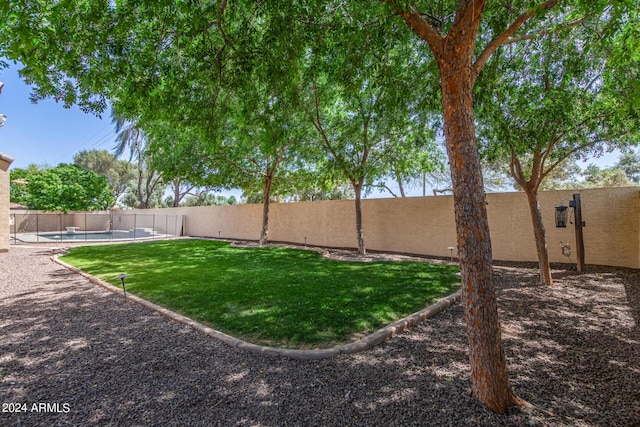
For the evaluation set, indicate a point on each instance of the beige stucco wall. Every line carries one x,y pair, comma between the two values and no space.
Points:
425,225
5,163
611,233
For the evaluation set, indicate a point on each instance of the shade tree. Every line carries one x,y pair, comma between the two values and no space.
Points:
462,37
364,106
547,107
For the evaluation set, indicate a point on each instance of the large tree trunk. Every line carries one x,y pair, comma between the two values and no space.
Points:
264,232
541,239
357,188
490,380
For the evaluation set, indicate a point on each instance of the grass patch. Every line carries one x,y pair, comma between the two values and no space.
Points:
276,296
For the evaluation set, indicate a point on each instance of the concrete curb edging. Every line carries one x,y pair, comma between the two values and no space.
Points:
362,344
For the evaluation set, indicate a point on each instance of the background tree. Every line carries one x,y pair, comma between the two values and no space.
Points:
412,167
179,189
363,106
148,182
18,182
629,163
205,198
130,199
548,107
118,172
319,185
66,188
606,177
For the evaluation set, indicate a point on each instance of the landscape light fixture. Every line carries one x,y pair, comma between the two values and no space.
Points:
562,215
121,277
451,248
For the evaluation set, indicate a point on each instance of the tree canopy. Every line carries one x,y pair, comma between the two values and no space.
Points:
541,105
118,172
63,188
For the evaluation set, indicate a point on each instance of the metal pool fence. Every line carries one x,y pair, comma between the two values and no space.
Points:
89,226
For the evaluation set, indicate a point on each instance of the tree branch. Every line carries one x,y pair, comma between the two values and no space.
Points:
325,139
390,191
515,168
508,33
238,167
420,27
571,152
543,33
226,38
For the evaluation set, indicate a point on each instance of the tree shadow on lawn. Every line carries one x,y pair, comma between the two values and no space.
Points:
570,351
276,296
114,362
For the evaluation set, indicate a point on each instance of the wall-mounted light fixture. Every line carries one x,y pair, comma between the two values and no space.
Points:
562,216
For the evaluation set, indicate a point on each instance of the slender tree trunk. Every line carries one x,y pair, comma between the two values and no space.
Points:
141,198
176,193
264,232
140,179
400,186
148,189
357,188
540,235
490,380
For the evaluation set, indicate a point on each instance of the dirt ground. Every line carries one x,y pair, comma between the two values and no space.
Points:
72,353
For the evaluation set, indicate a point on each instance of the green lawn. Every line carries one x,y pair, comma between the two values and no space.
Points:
276,296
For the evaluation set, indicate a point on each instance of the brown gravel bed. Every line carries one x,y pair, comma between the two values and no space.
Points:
573,353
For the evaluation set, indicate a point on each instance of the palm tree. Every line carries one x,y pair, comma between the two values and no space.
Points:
130,134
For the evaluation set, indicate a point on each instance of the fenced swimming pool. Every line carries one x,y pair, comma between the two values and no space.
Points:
92,226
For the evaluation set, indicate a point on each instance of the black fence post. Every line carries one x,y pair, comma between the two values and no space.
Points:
576,204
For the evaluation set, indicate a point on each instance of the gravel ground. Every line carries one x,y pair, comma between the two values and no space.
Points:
573,353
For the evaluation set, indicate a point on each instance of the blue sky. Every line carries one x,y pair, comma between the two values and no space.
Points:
46,132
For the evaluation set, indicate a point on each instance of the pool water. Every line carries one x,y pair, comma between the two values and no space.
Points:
80,236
